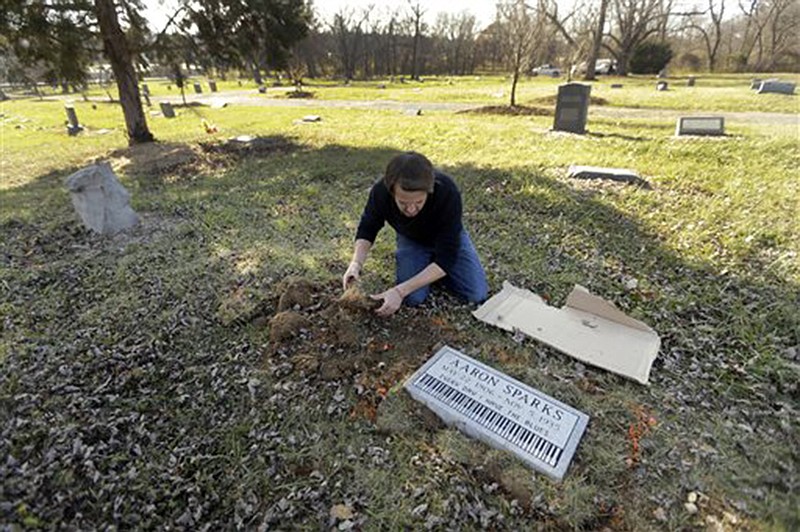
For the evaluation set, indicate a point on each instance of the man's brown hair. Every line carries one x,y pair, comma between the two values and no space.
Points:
412,171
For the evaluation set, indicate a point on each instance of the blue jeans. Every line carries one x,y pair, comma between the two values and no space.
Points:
466,278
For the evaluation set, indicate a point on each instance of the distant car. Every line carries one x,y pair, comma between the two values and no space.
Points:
546,70
602,67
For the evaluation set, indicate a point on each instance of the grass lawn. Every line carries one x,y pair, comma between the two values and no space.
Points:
140,386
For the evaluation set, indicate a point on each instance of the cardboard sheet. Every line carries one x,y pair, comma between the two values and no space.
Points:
587,327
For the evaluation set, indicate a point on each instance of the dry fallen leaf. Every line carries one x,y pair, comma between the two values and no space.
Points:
341,512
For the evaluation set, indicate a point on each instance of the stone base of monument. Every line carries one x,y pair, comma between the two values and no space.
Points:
100,200
614,174
499,410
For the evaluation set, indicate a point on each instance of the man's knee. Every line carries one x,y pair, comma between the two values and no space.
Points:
476,294
416,297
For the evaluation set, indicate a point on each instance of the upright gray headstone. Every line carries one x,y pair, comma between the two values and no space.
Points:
690,82
499,410
572,107
662,86
167,110
198,88
212,85
776,87
73,126
100,200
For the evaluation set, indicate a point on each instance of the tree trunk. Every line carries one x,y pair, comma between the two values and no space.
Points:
257,74
591,62
119,55
514,87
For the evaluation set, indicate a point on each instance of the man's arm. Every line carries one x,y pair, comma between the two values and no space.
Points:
393,298
360,252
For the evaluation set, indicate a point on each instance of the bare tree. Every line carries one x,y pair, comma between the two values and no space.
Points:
521,27
633,22
116,47
348,33
416,17
597,41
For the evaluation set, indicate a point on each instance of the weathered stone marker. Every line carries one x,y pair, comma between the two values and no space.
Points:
73,127
572,108
776,87
599,172
262,89
212,85
499,410
100,200
690,82
700,125
662,86
198,88
167,110
616,85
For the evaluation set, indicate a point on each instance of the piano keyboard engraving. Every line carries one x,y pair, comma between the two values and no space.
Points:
492,420
499,410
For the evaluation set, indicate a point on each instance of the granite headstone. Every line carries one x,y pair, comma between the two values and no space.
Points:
572,108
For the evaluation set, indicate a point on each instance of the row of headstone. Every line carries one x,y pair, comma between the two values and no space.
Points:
212,85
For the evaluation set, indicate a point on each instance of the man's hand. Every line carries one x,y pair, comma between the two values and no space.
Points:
351,275
392,299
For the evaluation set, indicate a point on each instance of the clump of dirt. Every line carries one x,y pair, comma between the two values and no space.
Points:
323,333
287,324
355,299
509,110
157,159
299,94
295,291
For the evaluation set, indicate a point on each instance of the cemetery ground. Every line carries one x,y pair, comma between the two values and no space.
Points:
145,382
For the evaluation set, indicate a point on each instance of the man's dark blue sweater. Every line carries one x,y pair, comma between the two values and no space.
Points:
438,224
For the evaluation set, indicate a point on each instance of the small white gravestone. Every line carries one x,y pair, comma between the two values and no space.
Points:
312,118
100,200
700,125
776,87
499,410
662,86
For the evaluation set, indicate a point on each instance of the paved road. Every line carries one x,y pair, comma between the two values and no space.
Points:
252,97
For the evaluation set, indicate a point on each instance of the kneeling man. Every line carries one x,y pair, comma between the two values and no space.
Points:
424,208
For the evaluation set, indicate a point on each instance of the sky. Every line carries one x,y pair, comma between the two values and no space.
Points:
484,10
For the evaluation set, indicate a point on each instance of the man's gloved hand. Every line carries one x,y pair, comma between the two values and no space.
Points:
392,299
352,274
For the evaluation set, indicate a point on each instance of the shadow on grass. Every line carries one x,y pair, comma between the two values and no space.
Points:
133,326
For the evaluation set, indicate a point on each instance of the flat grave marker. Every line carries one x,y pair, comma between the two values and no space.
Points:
499,410
713,126
776,87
